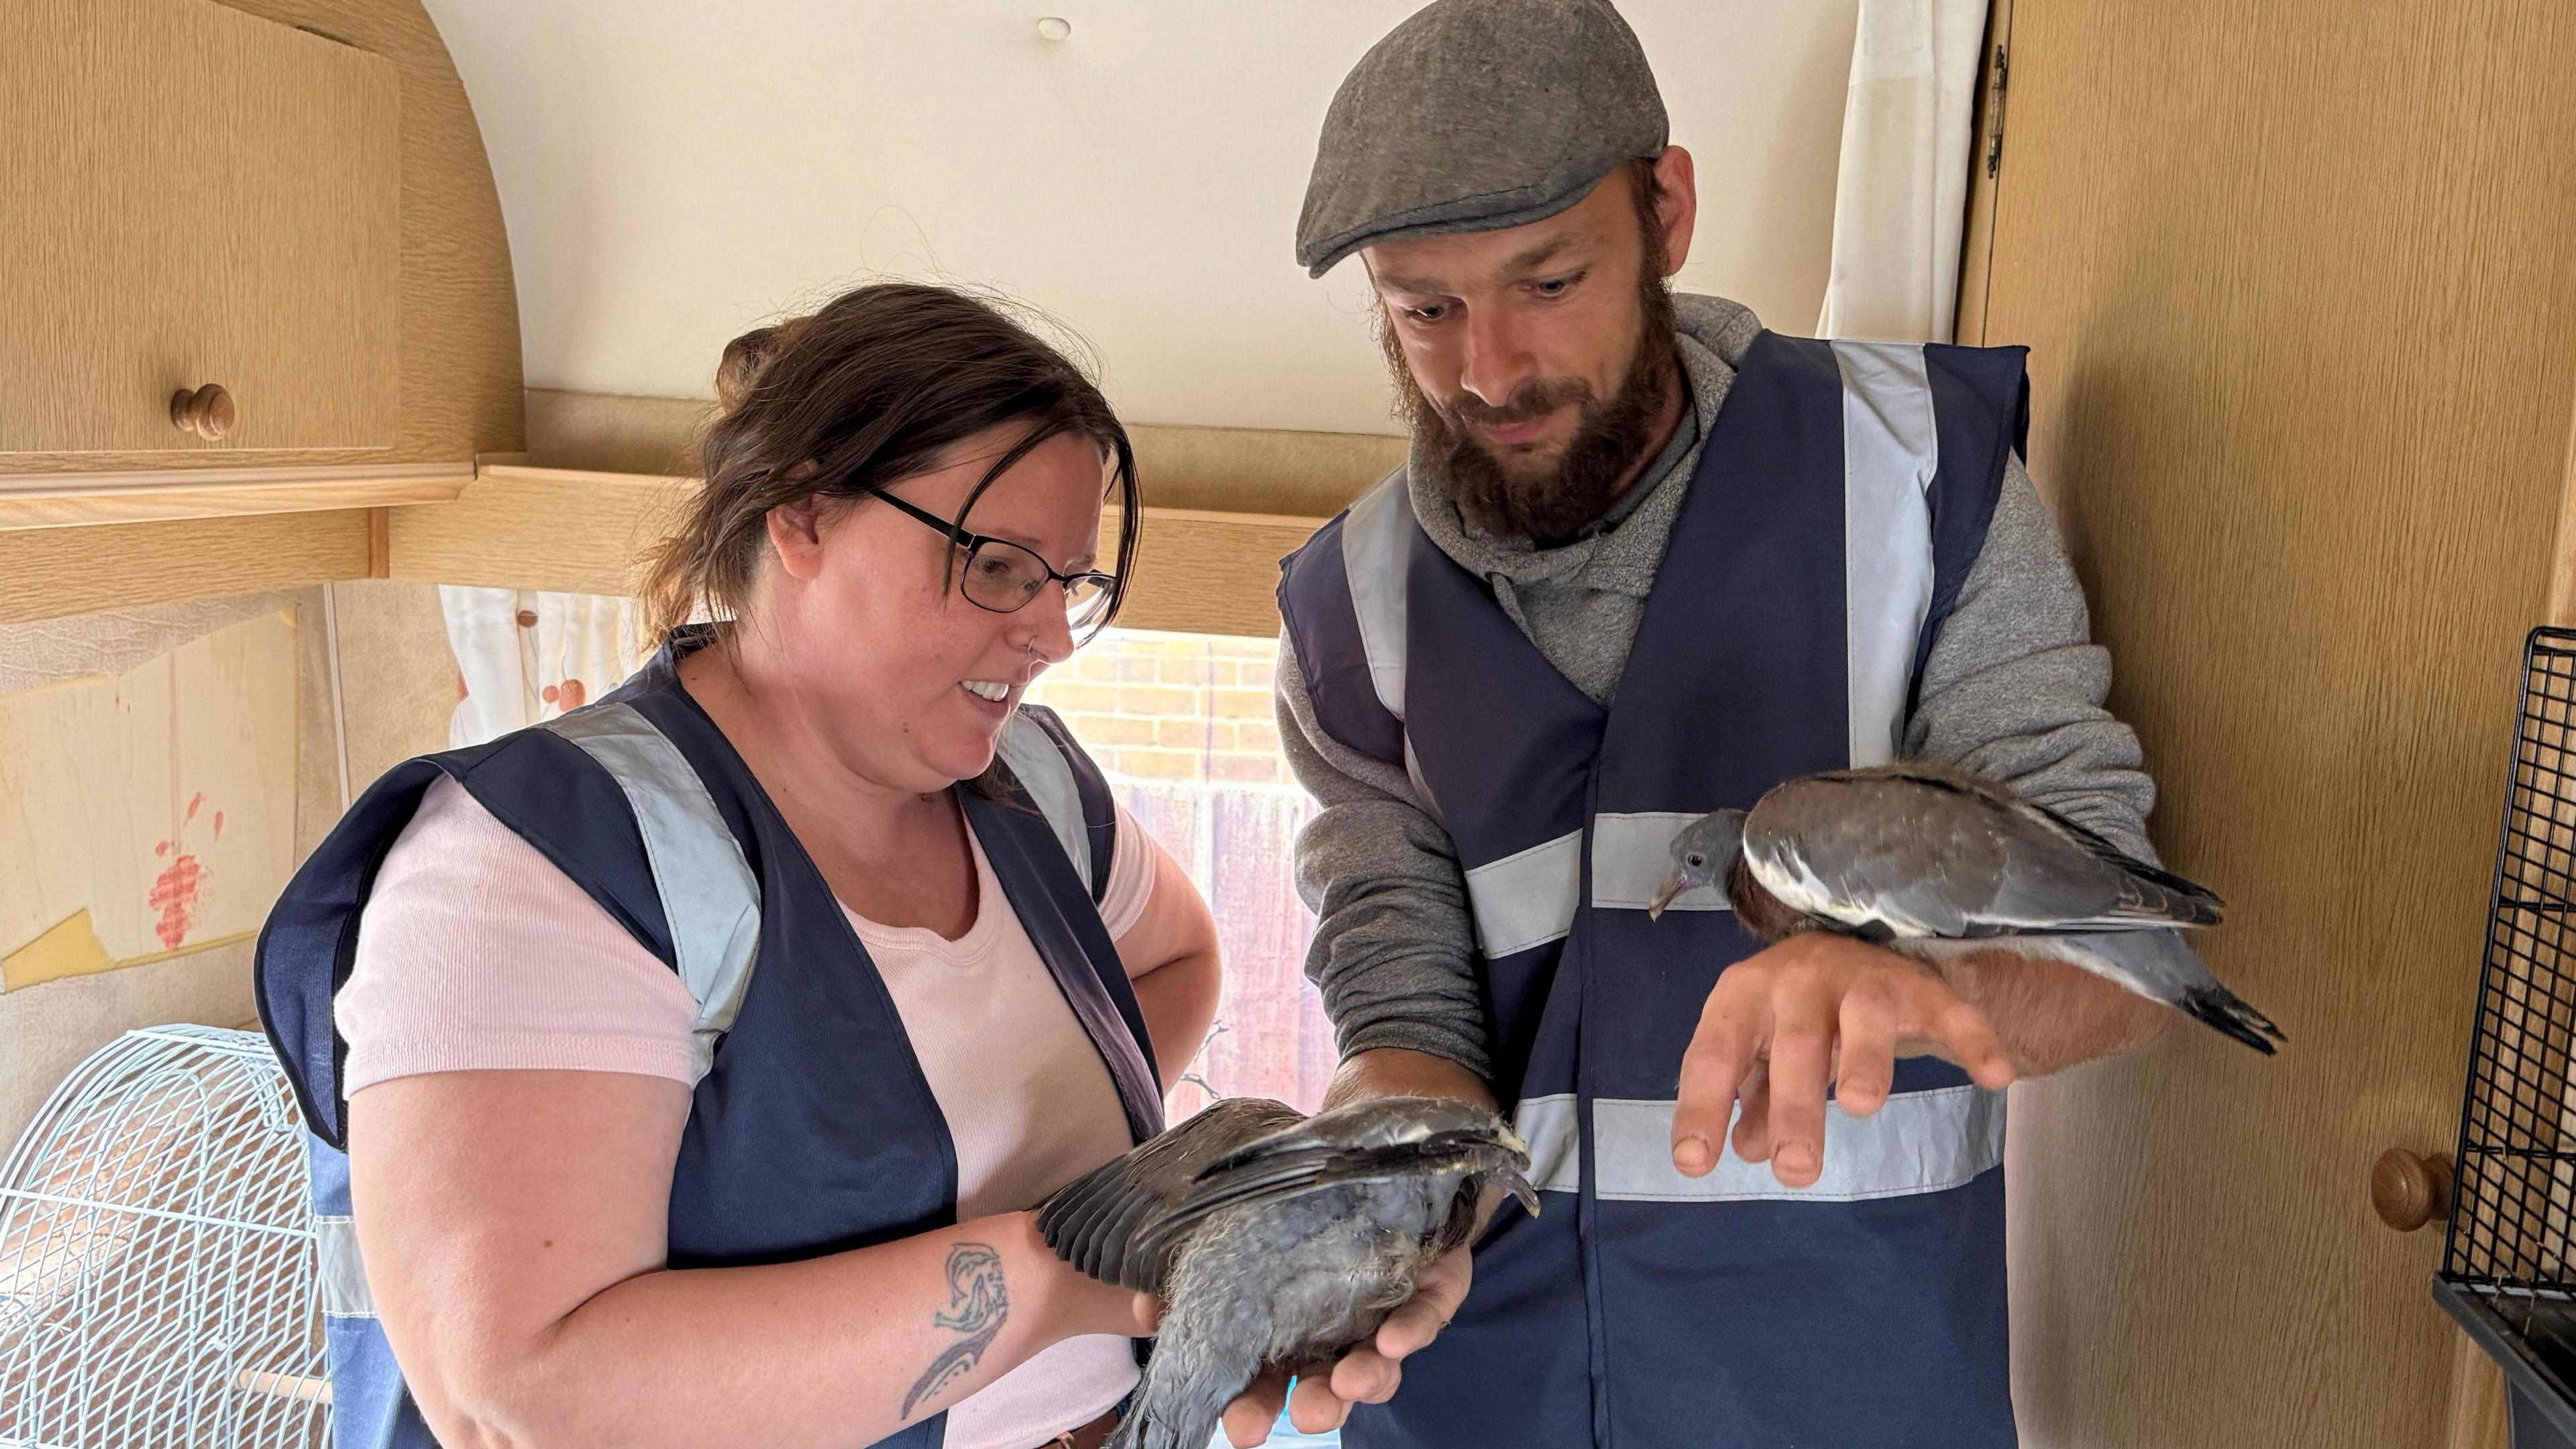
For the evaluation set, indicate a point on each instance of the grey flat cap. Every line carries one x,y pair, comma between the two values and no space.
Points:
1475,115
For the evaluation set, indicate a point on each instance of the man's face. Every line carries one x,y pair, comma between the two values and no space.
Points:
1537,361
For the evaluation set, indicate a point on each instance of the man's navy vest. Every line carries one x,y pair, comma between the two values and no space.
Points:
812,1129
1842,495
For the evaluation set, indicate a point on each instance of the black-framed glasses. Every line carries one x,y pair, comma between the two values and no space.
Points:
1002,576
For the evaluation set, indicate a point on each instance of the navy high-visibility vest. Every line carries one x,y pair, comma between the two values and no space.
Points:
811,1128
1842,495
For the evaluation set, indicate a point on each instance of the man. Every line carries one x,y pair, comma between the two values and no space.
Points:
1646,560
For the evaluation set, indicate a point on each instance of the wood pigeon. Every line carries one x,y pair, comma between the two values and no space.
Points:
1934,861
1275,1238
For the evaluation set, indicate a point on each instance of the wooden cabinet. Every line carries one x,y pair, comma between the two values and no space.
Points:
200,196
287,199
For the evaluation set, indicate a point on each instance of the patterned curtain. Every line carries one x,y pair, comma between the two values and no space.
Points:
523,657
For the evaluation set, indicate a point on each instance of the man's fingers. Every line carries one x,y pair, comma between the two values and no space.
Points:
1801,1064
1436,1296
1720,1053
1247,1420
1965,1037
1313,1405
1865,1058
1753,1127
1363,1376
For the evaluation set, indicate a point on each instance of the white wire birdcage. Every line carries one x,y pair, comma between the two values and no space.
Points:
157,1275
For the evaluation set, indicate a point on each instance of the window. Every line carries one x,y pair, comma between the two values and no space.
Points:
1182,725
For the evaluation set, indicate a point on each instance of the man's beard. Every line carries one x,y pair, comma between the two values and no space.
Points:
1555,503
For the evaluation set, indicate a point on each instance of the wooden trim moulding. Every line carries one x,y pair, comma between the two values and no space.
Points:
519,527
1198,570
1977,238
78,500
81,543
56,573
1276,471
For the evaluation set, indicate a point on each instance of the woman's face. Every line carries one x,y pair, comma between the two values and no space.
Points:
869,615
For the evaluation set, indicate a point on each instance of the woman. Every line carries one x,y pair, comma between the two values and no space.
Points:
705,1051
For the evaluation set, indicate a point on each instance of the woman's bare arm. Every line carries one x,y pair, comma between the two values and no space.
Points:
513,1228
1171,959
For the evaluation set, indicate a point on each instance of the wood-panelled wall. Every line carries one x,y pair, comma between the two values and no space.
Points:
2299,279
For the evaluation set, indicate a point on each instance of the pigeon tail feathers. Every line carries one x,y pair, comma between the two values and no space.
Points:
2227,1012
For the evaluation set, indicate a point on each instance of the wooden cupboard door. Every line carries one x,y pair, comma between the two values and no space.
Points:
2299,279
195,196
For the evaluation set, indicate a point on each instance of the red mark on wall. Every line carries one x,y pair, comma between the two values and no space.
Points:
219,825
193,802
174,895
162,849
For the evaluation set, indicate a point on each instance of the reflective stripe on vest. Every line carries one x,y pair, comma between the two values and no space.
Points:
1919,1142
342,1277
1043,771
1890,453
1529,898
1373,560
707,890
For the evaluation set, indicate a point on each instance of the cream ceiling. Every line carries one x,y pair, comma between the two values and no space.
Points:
674,171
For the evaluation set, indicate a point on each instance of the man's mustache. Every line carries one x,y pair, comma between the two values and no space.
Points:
1534,399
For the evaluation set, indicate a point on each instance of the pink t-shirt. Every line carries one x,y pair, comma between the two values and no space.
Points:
476,953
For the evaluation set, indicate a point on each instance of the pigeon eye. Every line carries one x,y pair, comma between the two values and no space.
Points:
1695,860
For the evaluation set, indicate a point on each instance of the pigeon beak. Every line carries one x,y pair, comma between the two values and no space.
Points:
1669,892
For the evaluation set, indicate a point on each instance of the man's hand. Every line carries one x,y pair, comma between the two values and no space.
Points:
1368,1374
1814,1010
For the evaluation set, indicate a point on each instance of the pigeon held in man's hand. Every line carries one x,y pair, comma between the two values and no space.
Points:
1938,862
1276,1238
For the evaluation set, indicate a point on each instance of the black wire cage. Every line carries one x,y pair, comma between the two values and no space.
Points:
2509,1260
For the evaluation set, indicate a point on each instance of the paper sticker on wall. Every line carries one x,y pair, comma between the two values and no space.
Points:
149,814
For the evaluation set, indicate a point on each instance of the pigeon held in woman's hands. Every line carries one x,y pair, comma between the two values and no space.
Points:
1276,1238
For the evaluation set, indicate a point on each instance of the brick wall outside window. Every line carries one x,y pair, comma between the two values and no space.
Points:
1182,725
1176,707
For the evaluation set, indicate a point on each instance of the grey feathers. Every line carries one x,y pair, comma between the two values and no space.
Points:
1930,852
1932,861
1274,1237
1095,1223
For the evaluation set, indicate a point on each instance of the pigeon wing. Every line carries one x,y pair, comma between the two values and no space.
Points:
1295,1164
1097,1221
2154,894
1917,851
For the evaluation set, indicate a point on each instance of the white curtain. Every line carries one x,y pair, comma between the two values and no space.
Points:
1900,201
526,656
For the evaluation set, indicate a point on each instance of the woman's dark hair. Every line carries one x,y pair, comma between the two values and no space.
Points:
872,389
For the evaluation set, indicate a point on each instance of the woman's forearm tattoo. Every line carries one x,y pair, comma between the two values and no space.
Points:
978,1301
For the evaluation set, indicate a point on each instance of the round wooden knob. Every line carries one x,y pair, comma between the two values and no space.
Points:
208,412
2408,1191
